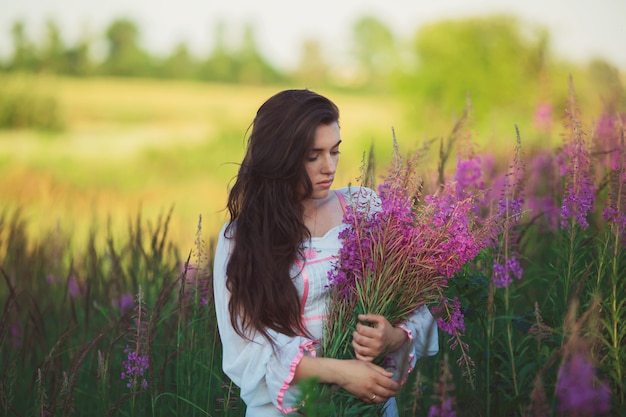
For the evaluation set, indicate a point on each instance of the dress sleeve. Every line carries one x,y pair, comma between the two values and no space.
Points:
262,372
421,328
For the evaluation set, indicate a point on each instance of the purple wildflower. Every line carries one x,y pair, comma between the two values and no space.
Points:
511,208
607,138
615,211
577,390
135,367
511,199
542,187
453,320
444,409
75,288
15,335
196,284
503,273
137,360
124,302
542,119
579,196
468,176
51,279
462,243
398,252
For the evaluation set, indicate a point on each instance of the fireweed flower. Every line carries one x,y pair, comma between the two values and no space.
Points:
542,119
454,322
196,284
444,409
503,273
615,211
15,335
124,302
577,389
397,255
137,358
468,176
134,369
508,214
542,187
606,138
75,288
579,195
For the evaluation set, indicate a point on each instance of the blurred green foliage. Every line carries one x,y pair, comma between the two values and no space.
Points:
28,101
486,59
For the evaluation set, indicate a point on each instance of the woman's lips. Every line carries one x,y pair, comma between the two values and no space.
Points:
325,184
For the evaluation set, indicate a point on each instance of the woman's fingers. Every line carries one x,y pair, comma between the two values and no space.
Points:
365,350
364,380
371,341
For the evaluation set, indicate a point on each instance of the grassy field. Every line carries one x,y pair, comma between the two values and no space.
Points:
542,304
142,146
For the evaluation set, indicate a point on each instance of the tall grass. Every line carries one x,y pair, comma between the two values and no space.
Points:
123,323
77,327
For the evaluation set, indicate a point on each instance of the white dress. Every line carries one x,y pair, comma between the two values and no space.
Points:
264,374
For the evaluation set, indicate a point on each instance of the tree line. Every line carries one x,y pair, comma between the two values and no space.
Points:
495,59
126,57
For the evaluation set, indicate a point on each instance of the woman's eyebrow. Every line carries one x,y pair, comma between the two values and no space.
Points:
320,149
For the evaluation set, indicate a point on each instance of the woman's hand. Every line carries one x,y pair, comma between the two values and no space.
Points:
369,342
369,382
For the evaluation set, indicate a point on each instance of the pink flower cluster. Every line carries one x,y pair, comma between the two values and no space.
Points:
503,273
575,168
399,250
454,320
577,389
135,366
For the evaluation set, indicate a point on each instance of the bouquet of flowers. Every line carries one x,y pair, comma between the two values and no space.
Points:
398,253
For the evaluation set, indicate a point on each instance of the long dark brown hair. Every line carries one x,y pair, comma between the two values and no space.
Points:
266,213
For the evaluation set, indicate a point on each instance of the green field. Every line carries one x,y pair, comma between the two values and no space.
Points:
543,303
143,146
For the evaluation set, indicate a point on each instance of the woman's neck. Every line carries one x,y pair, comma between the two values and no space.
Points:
322,214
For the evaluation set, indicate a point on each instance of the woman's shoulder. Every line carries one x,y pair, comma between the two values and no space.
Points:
227,231
360,196
357,192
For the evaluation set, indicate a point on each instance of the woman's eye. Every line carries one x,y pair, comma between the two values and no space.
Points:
335,152
312,158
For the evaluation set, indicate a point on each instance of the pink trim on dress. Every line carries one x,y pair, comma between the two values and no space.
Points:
342,200
317,261
305,289
411,355
307,346
407,331
316,318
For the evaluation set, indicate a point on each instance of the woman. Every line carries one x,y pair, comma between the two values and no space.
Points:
272,262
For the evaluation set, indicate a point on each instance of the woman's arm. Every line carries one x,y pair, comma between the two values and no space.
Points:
369,382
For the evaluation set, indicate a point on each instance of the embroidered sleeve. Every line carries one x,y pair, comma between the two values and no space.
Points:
421,328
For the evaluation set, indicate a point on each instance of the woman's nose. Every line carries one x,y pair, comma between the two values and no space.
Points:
329,164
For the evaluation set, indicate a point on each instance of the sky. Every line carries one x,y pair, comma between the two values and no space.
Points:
579,29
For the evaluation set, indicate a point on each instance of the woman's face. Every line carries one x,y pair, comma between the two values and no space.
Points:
321,160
